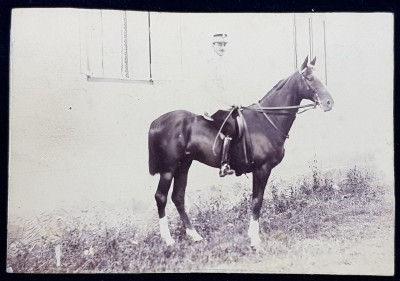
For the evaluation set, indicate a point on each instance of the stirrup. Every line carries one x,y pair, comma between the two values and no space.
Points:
225,170
207,117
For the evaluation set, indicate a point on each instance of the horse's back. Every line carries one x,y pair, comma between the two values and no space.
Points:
171,116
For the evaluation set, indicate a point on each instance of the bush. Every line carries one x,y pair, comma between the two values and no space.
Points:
358,180
313,206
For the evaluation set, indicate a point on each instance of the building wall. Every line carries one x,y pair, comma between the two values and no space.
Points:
75,141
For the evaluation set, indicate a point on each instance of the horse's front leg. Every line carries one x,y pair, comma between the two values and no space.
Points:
260,179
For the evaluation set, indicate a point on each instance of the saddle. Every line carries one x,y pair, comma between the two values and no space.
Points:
233,123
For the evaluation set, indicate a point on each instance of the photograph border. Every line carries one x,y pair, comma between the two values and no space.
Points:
173,6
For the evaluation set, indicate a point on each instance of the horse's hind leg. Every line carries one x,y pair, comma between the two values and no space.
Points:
161,198
178,197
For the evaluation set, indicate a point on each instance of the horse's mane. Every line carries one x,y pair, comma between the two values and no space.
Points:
278,86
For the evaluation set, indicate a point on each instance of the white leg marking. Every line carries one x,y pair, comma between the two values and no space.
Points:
194,234
253,232
164,231
58,254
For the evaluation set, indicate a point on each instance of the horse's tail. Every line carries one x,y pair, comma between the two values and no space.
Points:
153,169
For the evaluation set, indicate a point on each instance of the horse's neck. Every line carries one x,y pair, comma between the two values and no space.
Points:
279,99
285,96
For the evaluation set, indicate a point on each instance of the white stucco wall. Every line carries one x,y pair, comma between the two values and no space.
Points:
74,140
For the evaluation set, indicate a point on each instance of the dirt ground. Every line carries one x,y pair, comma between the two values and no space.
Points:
329,232
366,248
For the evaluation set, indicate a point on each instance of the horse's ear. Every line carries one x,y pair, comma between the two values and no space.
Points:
313,61
304,65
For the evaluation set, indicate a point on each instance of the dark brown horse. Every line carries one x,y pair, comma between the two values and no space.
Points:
179,137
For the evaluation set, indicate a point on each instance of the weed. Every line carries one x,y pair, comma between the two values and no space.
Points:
314,206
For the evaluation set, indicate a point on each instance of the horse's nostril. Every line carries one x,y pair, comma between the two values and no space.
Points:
328,102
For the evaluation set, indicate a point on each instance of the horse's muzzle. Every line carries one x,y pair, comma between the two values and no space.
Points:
325,101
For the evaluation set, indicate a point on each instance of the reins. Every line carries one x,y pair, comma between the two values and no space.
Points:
274,110
262,109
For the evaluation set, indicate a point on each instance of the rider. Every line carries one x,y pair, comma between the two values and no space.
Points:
219,70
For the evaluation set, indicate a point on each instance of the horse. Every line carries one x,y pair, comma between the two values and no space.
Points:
179,137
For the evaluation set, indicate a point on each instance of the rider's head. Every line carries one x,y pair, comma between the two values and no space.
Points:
219,43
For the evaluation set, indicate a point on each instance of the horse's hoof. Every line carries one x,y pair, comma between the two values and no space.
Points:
194,235
170,242
255,246
255,243
197,238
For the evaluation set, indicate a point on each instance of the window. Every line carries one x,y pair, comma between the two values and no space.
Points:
116,45
310,39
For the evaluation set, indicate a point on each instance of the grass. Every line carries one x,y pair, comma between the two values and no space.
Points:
316,208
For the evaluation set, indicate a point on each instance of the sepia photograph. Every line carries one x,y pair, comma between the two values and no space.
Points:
178,142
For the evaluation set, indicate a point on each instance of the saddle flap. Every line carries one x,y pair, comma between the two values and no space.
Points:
233,123
244,136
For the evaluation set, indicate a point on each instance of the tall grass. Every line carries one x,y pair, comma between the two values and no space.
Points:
312,207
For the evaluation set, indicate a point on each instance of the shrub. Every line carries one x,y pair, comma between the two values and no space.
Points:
358,180
307,208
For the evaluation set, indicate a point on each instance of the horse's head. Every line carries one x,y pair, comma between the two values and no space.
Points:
312,88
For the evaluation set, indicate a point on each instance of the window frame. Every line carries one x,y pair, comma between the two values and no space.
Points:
86,19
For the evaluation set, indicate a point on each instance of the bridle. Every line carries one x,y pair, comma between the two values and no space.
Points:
308,85
276,109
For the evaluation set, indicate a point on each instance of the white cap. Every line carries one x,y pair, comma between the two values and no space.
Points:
220,38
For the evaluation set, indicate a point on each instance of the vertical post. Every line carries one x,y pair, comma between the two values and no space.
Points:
102,42
89,48
84,46
124,53
326,73
180,35
295,41
151,75
310,33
